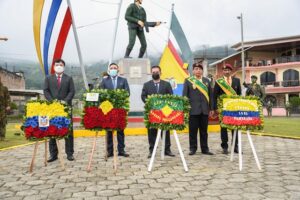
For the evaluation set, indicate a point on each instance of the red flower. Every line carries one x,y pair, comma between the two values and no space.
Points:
62,132
52,130
28,132
95,118
37,133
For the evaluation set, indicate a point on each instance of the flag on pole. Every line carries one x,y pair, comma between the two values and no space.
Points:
173,68
181,40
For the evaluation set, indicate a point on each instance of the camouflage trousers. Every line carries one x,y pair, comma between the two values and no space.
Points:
2,131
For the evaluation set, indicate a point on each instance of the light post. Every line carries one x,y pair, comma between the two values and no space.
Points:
242,46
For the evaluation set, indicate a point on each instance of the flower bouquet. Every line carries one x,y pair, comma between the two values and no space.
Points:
237,112
107,111
166,112
46,119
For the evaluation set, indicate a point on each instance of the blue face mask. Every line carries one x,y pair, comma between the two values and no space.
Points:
113,72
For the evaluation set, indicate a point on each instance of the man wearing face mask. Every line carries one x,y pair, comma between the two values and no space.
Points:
112,82
60,86
157,86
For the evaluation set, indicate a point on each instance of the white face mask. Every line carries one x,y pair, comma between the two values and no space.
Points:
59,69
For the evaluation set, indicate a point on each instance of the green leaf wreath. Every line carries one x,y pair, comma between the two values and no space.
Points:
229,122
166,112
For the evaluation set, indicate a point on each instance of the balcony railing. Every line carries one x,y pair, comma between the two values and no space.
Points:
278,60
290,83
287,59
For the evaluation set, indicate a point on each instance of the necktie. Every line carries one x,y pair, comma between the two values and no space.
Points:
114,83
156,87
58,80
228,80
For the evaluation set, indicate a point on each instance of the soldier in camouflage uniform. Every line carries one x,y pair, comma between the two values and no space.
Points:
255,89
136,20
4,106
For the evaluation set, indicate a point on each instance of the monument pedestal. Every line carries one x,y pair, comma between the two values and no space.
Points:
137,72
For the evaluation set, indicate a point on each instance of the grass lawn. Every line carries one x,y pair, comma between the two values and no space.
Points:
11,139
283,126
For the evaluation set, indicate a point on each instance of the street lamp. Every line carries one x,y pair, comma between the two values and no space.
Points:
242,45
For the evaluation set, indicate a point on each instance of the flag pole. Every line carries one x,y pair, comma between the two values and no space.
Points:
115,33
169,33
78,47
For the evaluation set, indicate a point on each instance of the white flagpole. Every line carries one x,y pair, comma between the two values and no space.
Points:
78,46
169,33
115,33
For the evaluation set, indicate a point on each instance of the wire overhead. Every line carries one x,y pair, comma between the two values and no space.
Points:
105,2
95,23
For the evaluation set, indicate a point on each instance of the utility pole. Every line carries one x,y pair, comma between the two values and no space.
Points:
242,47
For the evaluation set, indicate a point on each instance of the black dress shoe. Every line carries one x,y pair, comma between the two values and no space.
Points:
169,153
207,153
192,153
110,154
124,154
70,158
236,150
225,151
149,155
51,159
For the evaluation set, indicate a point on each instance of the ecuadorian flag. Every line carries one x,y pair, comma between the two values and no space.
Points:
173,68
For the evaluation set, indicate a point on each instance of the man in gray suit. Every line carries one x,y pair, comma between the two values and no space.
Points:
198,90
60,86
157,86
112,82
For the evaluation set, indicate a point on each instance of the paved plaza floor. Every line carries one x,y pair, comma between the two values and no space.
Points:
209,177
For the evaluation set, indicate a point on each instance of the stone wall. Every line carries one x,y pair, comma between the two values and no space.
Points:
12,80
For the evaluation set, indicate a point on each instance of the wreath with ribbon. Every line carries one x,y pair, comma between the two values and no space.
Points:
46,119
237,112
166,112
108,112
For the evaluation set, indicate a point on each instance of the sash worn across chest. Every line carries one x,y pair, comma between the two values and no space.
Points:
226,87
200,86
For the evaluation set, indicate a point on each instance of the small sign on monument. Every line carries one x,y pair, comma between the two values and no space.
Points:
135,72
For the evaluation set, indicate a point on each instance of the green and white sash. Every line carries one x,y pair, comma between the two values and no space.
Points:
200,86
226,87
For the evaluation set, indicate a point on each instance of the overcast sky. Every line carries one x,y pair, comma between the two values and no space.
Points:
205,22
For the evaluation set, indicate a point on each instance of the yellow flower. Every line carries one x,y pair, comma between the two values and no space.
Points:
239,105
43,109
106,107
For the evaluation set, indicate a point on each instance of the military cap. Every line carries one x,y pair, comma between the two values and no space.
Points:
197,65
227,66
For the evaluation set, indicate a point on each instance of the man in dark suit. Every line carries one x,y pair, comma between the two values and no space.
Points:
112,82
157,86
231,86
198,90
60,86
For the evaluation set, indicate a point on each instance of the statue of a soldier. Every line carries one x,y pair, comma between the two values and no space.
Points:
4,107
136,20
254,89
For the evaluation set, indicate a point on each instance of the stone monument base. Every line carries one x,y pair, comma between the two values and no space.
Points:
137,72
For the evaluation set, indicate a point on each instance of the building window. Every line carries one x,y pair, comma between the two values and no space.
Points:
267,78
290,78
